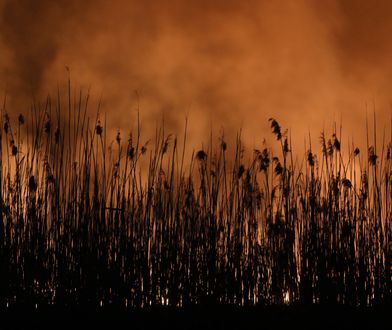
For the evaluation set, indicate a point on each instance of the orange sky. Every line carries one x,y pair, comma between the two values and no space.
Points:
224,63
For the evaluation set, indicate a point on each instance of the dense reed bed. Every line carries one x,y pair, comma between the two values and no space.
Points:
83,223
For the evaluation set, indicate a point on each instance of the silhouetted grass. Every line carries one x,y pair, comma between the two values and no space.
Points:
82,223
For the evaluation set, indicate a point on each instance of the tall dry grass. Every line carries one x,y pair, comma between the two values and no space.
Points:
83,223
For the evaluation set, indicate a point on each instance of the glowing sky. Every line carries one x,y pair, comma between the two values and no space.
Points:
224,63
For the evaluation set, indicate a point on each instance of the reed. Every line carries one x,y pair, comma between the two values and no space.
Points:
83,223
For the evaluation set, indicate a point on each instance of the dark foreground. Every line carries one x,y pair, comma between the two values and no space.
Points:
218,317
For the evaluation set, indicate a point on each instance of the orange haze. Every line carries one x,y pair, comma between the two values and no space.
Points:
224,63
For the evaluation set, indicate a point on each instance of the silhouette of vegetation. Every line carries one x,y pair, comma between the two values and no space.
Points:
83,223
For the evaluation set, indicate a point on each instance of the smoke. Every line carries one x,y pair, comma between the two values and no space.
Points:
226,64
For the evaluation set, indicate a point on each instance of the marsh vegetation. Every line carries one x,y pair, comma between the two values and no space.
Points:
82,222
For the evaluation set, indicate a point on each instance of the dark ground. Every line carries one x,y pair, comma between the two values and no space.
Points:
205,317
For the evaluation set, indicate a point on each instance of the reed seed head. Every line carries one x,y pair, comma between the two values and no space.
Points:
99,128
201,155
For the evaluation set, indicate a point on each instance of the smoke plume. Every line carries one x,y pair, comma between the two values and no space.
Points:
225,64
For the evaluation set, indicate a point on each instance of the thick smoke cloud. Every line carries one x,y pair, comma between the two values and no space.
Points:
224,63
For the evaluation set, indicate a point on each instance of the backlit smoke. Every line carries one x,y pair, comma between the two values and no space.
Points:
224,64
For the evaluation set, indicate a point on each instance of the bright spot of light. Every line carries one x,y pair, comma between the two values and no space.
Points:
286,297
